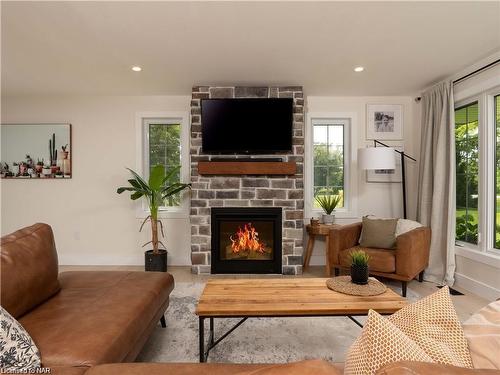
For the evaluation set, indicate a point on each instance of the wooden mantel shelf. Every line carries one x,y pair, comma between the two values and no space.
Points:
246,167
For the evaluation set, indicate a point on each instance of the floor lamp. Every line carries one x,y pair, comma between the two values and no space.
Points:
384,158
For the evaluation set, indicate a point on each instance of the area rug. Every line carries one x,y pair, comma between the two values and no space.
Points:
258,340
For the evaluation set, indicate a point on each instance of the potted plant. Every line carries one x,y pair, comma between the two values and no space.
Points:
155,191
46,170
64,153
39,166
328,202
359,267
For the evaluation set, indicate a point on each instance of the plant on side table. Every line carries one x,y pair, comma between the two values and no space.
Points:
328,202
155,191
359,267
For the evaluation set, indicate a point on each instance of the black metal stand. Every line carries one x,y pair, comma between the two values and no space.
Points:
403,177
211,339
163,322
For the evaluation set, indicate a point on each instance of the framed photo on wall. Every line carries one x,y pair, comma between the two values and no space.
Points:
384,121
387,175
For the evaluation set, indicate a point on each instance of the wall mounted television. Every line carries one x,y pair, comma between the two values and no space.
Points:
247,126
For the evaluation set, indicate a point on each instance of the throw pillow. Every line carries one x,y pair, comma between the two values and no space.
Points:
380,343
18,352
379,233
433,324
405,225
482,331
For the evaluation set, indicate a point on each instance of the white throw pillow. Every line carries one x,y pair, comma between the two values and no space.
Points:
405,225
18,352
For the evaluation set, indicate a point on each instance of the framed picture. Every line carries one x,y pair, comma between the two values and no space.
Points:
384,121
387,175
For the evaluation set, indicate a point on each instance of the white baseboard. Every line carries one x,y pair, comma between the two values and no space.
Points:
477,287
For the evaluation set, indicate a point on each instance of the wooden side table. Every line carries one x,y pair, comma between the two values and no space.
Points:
318,230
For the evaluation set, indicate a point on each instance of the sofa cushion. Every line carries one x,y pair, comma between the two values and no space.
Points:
379,233
482,331
381,260
28,269
97,317
18,352
380,343
310,367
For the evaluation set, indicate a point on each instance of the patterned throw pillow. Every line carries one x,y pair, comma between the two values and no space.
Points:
18,352
430,324
433,324
380,343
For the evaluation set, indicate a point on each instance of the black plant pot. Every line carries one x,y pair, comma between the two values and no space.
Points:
359,274
155,262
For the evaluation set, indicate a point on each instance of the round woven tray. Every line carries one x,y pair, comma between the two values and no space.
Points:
344,285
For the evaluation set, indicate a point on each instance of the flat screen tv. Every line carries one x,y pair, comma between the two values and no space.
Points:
246,126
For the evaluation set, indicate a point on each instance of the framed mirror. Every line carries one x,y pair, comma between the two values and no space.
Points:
32,151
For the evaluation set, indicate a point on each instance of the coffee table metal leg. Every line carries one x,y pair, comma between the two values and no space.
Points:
355,321
212,333
202,338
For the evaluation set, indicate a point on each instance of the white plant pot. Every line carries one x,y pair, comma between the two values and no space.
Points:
46,171
328,219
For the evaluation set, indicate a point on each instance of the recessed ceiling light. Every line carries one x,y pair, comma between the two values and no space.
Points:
136,68
359,69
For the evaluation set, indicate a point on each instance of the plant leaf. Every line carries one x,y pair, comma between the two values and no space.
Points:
174,189
170,174
136,195
140,181
156,177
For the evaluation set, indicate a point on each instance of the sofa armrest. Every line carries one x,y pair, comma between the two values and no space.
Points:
416,368
341,238
412,251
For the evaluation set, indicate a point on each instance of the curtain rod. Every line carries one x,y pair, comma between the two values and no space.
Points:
417,99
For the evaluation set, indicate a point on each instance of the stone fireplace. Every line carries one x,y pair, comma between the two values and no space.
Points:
283,192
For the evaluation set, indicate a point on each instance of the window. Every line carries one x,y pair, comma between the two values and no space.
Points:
163,138
329,158
496,188
467,172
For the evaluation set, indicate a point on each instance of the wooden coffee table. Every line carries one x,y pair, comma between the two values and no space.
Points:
284,297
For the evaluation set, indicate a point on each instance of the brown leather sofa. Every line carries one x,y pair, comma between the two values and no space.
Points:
409,259
88,322
78,319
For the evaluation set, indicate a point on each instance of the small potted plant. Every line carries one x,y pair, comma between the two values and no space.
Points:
39,166
59,174
158,188
64,152
359,267
328,202
46,171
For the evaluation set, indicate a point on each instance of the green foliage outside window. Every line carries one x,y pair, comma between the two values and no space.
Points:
165,150
467,172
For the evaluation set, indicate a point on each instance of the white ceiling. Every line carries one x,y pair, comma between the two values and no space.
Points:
89,47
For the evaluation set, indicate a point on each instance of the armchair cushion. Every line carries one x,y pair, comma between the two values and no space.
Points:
379,233
381,260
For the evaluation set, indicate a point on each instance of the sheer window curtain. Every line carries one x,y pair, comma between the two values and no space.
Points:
436,182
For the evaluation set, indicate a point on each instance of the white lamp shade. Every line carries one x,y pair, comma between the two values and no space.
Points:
376,158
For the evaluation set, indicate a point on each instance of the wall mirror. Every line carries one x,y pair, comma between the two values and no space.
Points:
36,151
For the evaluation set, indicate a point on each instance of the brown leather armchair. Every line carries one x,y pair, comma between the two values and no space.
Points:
404,263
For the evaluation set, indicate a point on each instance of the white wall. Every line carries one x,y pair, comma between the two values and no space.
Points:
92,224
381,199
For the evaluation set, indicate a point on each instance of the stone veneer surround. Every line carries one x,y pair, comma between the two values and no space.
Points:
286,192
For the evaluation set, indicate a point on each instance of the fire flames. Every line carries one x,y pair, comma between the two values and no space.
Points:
246,239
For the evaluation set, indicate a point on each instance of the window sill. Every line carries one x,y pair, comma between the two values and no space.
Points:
165,214
338,214
485,257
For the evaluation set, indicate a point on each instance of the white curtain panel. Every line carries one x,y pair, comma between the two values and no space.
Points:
436,182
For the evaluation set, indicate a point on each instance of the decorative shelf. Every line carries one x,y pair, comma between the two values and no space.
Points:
246,167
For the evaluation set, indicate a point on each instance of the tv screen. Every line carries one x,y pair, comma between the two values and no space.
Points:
246,126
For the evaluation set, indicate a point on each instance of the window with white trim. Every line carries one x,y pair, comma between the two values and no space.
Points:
162,145
477,128
330,156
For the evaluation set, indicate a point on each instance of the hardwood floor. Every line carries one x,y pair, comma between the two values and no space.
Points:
465,305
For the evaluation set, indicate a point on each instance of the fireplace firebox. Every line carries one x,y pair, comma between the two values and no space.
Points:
246,240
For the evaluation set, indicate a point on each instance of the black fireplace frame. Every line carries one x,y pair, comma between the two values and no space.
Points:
254,214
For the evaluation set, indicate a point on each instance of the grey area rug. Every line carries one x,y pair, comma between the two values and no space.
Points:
258,340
